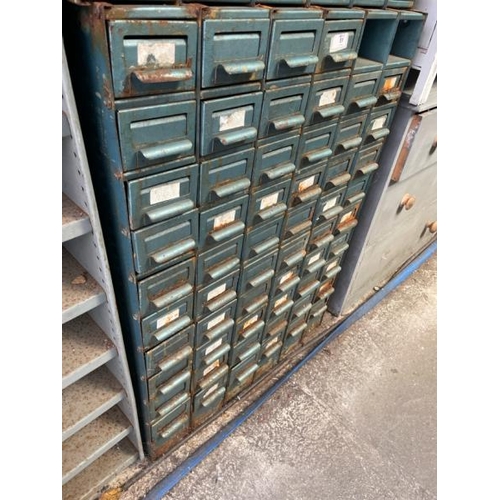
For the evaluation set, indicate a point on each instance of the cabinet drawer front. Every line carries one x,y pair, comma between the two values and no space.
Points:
212,325
306,185
256,278
378,124
250,326
292,252
350,134
317,145
298,220
362,92
329,206
391,84
154,134
268,203
367,158
153,57
213,297
263,239
209,399
172,427
207,354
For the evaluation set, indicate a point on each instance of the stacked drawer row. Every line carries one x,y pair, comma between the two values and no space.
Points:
240,143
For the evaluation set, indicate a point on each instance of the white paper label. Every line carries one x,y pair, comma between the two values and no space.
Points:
332,265
224,219
251,321
167,318
211,367
339,41
330,204
155,53
328,97
216,291
212,389
280,301
165,192
218,319
269,200
306,183
347,216
273,342
213,347
286,276
233,119
379,122
312,260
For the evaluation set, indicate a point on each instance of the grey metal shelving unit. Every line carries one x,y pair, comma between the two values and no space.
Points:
100,429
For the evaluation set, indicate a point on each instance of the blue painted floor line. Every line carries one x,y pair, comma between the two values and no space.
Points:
166,484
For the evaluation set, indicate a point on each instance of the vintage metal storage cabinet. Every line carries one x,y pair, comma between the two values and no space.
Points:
232,148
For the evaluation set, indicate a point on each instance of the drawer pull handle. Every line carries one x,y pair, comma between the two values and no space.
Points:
392,95
178,381
176,401
347,226
365,102
177,425
249,352
279,171
213,377
217,354
227,232
355,198
297,331
330,214
170,210
172,328
318,155
350,143
432,226
338,181
220,301
315,266
293,259
300,61
230,188
172,295
340,249
321,242
407,202
325,293
288,122
242,67
282,308
261,279
330,111
182,355
299,228
380,133
219,330
221,270
265,246
218,394
248,332
174,251
289,284
333,272
255,305
247,373
346,55
307,195
163,75
160,151
319,312
272,351
236,136
270,212
367,169
303,310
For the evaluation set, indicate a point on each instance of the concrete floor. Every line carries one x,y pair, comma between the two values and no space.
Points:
358,421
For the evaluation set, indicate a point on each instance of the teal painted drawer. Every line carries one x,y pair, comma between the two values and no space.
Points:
301,308
333,267
275,160
324,291
287,281
251,305
262,239
307,289
162,196
157,133
251,326
316,316
292,338
211,298
274,330
347,220
319,231
247,349
226,176
316,145
341,39
350,134
268,203
362,89
166,287
214,325
292,253
170,428
166,243
329,206
215,349
314,263
154,56
367,158
162,325
357,187
378,124
222,222
391,84
284,106
256,278
280,307
298,220
306,185
229,122
327,96
209,363
295,41
241,376
269,357
234,45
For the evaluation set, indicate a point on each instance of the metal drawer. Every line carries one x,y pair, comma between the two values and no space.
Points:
226,176
326,99
315,316
257,277
295,40
263,239
292,338
219,262
367,158
218,347
298,220
284,106
338,170
275,160
392,83
350,134
301,308
157,133
241,376
341,39
324,291
332,268
208,364
211,326
329,206
280,307
287,281
378,124
269,357
347,220
154,56
211,298
251,326
162,196
292,252
162,325
358,187
362,90
313,264
248,349
234,45
268,203
229,122
172,427
223,222
166,287
320,230
316,145
306,185
166,243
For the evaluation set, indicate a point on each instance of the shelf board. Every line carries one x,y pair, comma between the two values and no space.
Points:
75,222
82,295
85,347
87,484
87,399
95,439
